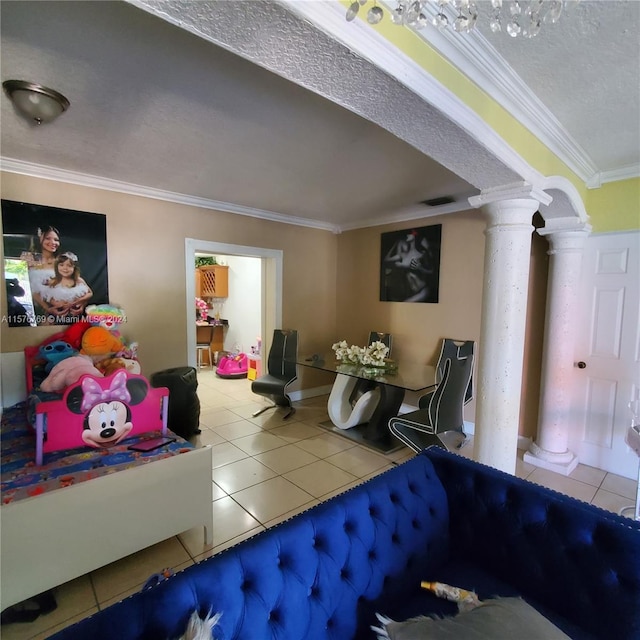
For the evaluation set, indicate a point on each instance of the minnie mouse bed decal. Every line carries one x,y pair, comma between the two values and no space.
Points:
107,411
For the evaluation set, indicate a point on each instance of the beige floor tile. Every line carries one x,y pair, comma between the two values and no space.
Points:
378,472
242,474
340,490
229,543
272,418
218,417
246,409
258,443
524,469
613,502
622,486
589,475
290,514
135,569
272,498
310,414
401,455
319,478
296,431
226,453
286,458
210,396
75,600
468,450
230,520
218,492
325,445
568,486
206,436
358,461
138,587
237,430
50,631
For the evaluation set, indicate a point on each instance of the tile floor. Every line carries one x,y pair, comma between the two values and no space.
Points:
266,469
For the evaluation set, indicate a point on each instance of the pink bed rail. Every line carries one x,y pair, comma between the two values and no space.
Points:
60,424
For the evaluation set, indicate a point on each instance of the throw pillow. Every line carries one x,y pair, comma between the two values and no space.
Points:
499,619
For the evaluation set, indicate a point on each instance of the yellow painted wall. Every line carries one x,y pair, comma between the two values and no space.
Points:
615,206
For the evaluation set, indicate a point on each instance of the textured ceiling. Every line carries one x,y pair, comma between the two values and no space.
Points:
586,70
156,106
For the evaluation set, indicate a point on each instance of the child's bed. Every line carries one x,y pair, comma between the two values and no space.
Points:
87,506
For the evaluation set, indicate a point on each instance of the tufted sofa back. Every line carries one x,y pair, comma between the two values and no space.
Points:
569,556
304,579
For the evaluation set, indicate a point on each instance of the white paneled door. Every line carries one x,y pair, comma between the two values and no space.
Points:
607,353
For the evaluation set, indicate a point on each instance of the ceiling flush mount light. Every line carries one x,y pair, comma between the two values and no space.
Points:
37,103
517,17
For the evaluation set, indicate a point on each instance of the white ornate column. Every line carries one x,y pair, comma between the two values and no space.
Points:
550,450
509,211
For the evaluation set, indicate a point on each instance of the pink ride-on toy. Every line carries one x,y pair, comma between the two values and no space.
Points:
233,366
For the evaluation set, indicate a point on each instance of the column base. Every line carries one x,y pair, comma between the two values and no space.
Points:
562,463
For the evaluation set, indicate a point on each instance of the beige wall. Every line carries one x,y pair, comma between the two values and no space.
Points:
146,248
418,328
147,278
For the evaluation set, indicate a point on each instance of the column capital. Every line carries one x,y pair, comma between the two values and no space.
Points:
514,191
565,240
561,226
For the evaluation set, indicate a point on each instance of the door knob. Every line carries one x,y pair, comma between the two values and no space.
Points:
581,365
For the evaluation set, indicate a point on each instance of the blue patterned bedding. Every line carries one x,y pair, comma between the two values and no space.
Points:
21,478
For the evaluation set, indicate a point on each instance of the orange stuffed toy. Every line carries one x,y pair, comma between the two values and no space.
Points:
99,343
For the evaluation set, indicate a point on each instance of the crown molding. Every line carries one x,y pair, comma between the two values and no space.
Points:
474,56
11,165
409,214
627,172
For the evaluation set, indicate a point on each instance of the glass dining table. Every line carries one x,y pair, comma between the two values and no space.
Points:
392,384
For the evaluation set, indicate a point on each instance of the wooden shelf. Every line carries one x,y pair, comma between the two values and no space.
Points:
212,281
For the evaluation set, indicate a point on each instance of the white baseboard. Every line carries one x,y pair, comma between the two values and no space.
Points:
303,394
524,442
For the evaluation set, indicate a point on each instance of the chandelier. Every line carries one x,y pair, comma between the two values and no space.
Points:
517,17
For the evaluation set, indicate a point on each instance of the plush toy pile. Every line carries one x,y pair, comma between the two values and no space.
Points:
89,347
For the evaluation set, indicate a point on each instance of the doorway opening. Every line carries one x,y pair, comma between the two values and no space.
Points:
270,286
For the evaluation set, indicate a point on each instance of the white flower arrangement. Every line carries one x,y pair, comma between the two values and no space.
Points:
372,356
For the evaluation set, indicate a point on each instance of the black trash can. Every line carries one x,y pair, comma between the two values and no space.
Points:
184,404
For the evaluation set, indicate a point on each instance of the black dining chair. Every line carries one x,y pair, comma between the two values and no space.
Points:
441,422
281,371
451,348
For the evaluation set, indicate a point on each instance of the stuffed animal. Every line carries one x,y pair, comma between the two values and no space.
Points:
72,335
55,352
129,351
106,316
74,332
67,372
99,343
109,365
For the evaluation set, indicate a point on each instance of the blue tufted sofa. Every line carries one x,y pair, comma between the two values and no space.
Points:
324,573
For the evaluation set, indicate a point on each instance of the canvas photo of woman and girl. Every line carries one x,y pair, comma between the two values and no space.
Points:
55,263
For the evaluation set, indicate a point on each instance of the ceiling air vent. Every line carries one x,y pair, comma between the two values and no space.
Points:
436,202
